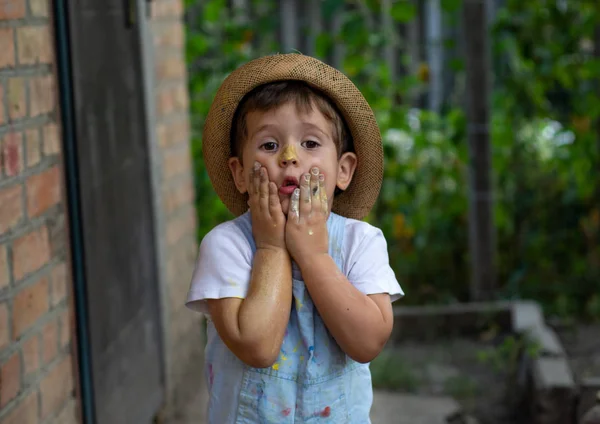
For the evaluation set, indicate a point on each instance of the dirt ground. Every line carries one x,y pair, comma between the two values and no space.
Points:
480,374
474,372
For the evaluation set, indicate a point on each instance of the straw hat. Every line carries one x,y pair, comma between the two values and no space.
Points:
358,199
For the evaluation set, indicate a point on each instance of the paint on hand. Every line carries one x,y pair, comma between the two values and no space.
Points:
323,194
295,203
310,232
288,153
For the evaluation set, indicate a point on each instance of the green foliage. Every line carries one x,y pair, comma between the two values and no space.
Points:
545,146
388,371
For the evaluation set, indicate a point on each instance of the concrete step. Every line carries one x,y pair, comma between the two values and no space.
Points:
400,408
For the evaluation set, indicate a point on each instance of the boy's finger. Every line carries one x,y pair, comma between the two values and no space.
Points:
263,193
323,195
274,203
305,204
294,212
314,189
255,183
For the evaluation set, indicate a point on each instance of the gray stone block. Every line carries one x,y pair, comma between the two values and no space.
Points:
589,389
546,340
554,391
525,315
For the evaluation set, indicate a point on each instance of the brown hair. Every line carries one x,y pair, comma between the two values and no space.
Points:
273,95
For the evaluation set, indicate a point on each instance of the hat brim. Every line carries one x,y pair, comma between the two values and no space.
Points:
360,196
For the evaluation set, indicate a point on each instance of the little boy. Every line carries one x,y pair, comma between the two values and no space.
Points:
297,289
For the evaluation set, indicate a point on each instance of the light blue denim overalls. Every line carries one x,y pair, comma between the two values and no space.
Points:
312,381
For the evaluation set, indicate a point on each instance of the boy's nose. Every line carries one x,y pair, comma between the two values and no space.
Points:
286,162
288,156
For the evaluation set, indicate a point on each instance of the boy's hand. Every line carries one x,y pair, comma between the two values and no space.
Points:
268,221
306,229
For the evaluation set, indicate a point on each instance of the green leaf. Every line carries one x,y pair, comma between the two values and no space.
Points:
331,7
212,10
451,5
403,11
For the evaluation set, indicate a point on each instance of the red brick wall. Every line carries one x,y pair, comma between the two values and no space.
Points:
36,364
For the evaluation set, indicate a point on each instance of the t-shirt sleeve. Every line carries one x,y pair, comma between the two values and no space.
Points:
368,267
223,267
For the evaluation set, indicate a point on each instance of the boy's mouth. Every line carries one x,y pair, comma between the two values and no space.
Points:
289,185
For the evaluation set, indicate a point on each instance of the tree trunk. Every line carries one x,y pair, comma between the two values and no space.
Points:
481,220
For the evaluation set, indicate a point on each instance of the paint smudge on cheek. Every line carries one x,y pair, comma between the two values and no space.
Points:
326,412
286,412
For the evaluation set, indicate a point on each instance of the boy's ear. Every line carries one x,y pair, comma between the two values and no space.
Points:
346,167
237,172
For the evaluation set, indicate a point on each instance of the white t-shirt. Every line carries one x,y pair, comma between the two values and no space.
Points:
224,264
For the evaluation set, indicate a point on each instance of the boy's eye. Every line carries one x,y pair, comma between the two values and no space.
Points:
269,146
311,144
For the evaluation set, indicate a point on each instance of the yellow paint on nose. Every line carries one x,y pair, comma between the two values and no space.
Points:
288,153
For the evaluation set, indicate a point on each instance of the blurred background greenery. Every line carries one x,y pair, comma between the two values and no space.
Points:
407,57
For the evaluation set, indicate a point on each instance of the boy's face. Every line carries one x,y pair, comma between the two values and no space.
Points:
289,144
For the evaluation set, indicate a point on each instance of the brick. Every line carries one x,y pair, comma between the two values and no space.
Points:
2,119
31,355
175,133
65,329
12,153
10,379
164,102
170,68
4,327
32,138
180,226
7,48
11,210
51,140
39,8
180,98
30,252
17,106
41,95
29,306
34,45
176,161
43,191
59,284
68,415
56,387
171,35
176,197
4,272
12,9
25,412
50,336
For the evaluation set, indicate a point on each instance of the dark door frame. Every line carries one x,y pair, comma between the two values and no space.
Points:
81,339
